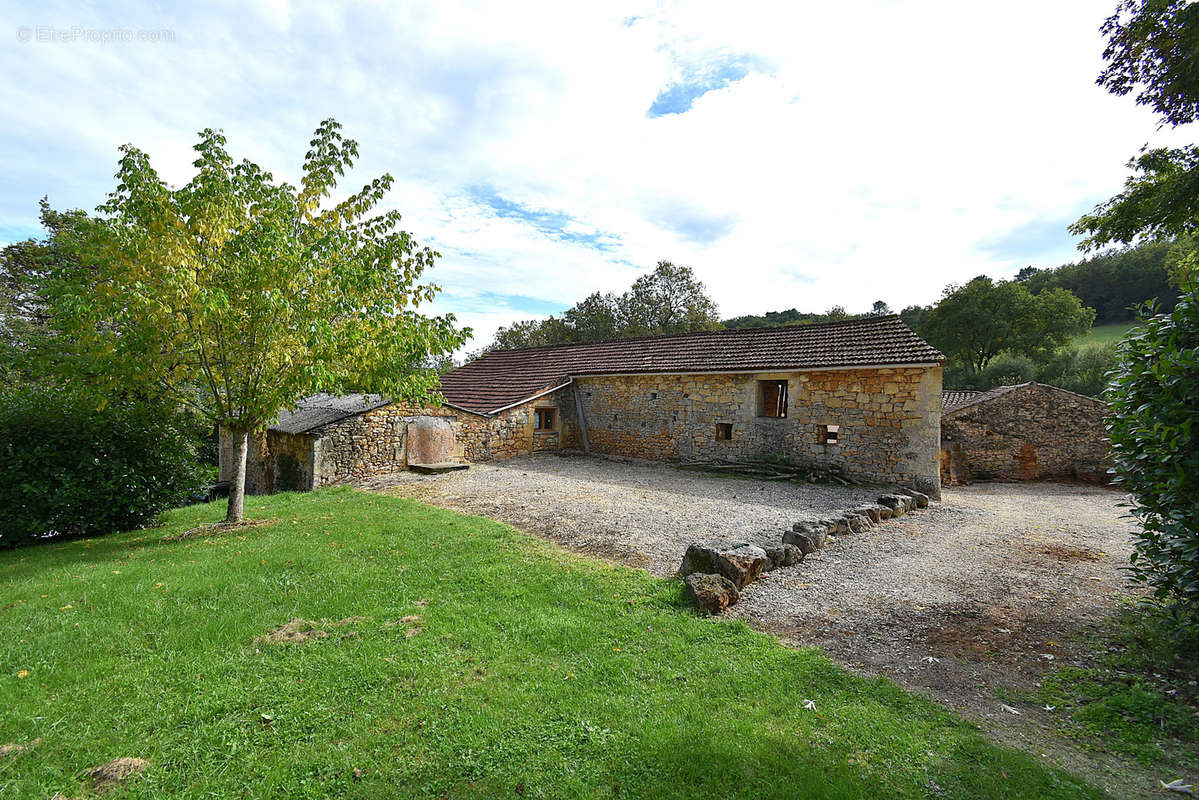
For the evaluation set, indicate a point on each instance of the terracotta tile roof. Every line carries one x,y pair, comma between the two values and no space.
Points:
506,377
967,399
952,398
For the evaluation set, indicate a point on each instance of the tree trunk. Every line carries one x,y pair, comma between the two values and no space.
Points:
237,481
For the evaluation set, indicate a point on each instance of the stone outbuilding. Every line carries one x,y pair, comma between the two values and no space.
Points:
1027,431
861,397
329,440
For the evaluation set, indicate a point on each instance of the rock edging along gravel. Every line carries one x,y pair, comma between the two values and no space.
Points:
714,577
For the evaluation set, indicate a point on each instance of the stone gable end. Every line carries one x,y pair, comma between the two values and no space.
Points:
1033,432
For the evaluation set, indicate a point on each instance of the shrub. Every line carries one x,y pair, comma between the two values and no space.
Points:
1154,430
68,468
1003,370
1084,370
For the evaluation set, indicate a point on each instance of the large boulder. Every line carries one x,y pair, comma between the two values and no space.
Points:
896,502
741,564
870,512
712,593
806,536
858,523
785,555
920,498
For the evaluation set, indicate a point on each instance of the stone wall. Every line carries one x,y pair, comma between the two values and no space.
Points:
262,472
887,420
1035,432
510,433
368,444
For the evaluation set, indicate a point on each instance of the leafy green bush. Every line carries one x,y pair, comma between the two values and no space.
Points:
1154,430
68,468
1003,370
1083,370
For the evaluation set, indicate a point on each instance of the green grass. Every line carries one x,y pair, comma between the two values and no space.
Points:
1103,335
1136,693
535,673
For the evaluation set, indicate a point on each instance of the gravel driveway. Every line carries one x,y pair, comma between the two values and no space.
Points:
967,600
633,512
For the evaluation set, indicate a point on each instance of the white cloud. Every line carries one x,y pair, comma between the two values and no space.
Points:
872,151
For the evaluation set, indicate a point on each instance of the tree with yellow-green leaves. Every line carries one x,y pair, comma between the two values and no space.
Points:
240,295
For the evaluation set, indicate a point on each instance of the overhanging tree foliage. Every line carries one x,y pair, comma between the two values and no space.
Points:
1153,50
240,295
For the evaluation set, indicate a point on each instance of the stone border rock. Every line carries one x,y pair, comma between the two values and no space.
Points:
716,576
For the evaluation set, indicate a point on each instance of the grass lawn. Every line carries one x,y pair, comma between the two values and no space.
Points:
1135,693
462,659
1102,335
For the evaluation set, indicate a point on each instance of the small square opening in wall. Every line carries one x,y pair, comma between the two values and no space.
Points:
724,431
543,419
830,434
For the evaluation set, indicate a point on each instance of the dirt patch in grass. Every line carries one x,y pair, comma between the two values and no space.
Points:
410,623
112,774
218,529
300,631
12,749
1062,553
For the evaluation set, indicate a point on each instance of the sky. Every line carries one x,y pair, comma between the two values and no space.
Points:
795,155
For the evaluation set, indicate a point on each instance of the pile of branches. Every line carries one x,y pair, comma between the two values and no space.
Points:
773,471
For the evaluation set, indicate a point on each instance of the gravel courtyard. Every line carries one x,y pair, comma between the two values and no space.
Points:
636,513
967,600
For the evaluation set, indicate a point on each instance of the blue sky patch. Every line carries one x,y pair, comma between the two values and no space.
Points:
1045,243
677,98
496,301
556,225
19,233
698,227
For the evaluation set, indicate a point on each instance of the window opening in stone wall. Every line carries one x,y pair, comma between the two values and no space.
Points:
830,434
774,398
543,419
724,431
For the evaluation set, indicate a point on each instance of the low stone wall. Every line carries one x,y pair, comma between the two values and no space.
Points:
1035,432
715,577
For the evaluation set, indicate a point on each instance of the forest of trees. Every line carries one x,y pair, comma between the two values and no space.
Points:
1115,283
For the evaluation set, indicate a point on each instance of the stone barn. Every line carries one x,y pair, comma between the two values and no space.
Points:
1028,431
862,397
